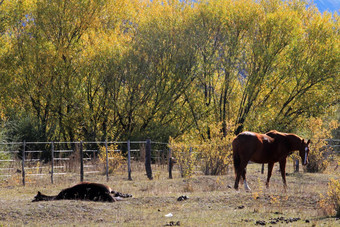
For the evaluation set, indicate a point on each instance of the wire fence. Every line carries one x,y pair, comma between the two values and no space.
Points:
52,159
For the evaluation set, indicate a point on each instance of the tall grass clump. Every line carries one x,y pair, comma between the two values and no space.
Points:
330,203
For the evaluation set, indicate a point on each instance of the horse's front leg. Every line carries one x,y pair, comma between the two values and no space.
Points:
270,169
283,172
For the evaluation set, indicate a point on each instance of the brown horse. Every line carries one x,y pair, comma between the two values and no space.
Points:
268,148
84,191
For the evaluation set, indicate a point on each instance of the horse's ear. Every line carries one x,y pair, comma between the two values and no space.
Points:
39,193
308,142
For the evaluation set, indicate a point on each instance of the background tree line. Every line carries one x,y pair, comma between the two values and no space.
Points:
130,69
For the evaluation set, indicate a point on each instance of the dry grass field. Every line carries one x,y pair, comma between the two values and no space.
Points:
211,201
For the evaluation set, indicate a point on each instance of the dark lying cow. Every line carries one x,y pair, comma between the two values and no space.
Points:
85,191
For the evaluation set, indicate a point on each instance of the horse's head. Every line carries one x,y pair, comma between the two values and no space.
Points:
304,151
42,197
38,197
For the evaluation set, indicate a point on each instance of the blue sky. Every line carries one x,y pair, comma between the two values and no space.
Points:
325,5
328,5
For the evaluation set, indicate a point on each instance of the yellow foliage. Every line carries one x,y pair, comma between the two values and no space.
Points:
116,158
179,64
318,132
214,155
256,194
275,200
185,158
331,201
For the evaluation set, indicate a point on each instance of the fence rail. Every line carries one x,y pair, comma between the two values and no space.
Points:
59,157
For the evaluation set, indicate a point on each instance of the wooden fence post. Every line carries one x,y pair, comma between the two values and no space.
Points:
262,169
107,161
181,165
170,164
81,162
23,163
296,165
190,152
52,161
129,159
148,159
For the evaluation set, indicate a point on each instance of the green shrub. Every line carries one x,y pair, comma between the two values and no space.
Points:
25,128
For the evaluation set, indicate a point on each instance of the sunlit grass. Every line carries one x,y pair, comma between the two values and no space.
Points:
211,201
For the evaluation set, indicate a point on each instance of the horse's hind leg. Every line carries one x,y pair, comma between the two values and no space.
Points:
237,167
108,198
270,169
241,171
246,187
237,179
283,173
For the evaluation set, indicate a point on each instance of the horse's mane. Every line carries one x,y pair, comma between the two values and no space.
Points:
283,134
292,139
276,132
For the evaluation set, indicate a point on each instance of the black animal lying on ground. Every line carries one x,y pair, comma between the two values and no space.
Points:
85,191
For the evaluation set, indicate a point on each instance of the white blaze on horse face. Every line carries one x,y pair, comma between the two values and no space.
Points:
246,187
305,161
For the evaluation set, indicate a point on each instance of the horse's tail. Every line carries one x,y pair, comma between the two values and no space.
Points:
236,156
237,162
